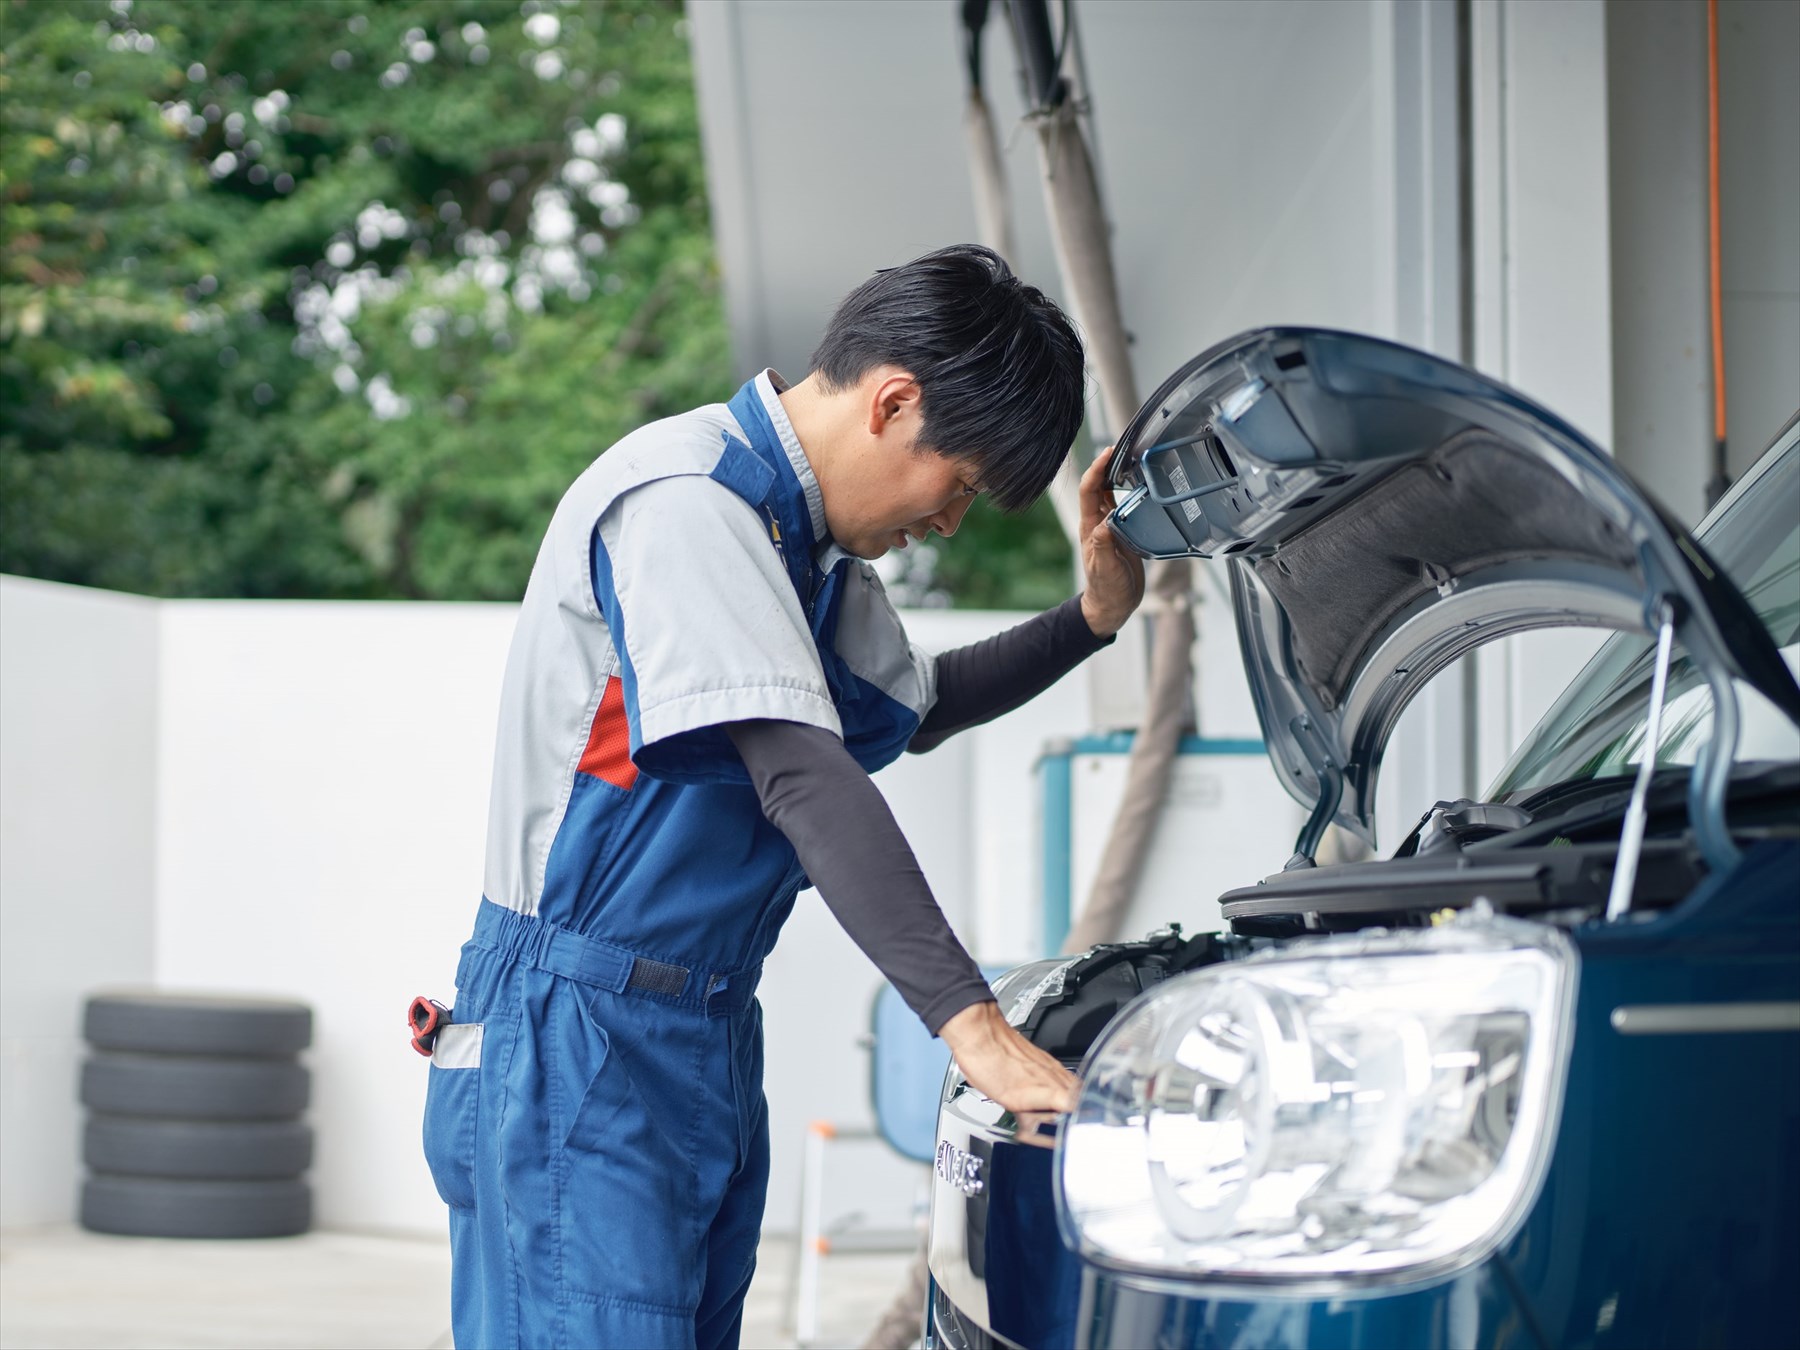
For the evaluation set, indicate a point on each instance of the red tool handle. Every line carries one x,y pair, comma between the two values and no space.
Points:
424,1019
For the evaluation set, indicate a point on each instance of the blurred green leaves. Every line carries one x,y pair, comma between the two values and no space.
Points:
335,298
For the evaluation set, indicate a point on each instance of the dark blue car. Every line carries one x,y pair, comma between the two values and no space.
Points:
1533,1079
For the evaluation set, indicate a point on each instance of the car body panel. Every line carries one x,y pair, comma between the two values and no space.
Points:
1385,512
1671,1213
1025,1294
1647,1231
1478,1307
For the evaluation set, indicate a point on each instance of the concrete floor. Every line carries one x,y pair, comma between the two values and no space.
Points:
61,1288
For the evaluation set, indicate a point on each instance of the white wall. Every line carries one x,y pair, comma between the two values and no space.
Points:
1662,326
1227,822
1542,321
1759,171
1662,320
1542,243
323,799
1244,150
1246,164
290,799
78,691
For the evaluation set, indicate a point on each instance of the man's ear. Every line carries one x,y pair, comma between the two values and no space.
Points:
894,403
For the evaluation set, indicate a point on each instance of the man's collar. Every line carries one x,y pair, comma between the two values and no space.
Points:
769,385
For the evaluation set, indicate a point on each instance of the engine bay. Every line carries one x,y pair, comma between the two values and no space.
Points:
1549,858
1552,865
1096,986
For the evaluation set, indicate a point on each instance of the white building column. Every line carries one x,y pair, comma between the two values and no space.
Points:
1418,110
1662,325
1542,319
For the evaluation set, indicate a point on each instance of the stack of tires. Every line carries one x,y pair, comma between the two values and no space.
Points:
194,1127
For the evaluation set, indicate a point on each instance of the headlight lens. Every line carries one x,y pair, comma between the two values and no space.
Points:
1017,992
1373,1106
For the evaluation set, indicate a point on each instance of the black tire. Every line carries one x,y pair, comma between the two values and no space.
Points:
184,1087
196,1024
237,1150
154,1207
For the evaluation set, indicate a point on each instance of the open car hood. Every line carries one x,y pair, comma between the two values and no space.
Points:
1385,512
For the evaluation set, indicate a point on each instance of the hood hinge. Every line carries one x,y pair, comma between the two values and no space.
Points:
1331,793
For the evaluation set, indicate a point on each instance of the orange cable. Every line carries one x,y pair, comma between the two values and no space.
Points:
1718,319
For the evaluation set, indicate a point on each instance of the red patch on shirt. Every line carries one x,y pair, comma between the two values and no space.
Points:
608,753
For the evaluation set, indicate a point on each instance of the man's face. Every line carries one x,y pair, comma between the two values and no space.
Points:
899,495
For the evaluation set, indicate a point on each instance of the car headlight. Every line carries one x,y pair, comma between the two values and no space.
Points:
1363,1108
1017,993
1019,990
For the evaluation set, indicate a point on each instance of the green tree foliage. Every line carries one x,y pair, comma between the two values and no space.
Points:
336,298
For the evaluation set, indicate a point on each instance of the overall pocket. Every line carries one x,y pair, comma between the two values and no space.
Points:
452,1107
745,1052
622,1155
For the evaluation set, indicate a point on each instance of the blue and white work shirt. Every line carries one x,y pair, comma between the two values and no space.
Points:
686,581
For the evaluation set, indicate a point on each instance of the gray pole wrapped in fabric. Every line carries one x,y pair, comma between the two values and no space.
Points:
993,221
1079,231
993,217
987,171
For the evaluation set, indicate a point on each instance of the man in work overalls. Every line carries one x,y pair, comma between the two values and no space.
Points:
705,673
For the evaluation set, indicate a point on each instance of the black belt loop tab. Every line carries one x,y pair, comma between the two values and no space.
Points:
605,965
657,977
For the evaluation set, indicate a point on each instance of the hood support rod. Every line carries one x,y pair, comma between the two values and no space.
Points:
1631,839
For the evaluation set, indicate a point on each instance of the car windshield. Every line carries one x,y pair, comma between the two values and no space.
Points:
1597,728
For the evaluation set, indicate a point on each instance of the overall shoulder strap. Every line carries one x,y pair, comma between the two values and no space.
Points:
757,469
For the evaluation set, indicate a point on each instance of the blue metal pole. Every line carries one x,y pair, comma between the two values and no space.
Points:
1055,771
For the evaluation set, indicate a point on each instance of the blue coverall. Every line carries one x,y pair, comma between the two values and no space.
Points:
595,1117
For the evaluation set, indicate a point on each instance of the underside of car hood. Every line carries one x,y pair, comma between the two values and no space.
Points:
1385,512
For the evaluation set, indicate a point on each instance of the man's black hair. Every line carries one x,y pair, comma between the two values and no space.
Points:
999,366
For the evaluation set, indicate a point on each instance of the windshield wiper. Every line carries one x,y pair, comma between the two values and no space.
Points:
1558,798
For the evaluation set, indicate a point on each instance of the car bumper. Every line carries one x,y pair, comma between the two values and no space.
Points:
1000,1274
1478,1307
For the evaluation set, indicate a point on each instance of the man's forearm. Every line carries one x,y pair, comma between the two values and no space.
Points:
852,849
979,682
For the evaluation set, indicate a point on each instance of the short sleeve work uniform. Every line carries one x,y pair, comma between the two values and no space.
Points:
595,1117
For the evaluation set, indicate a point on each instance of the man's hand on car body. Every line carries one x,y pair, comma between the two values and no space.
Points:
1115,575
1001,1064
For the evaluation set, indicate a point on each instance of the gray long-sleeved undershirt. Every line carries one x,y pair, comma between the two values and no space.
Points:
845,835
